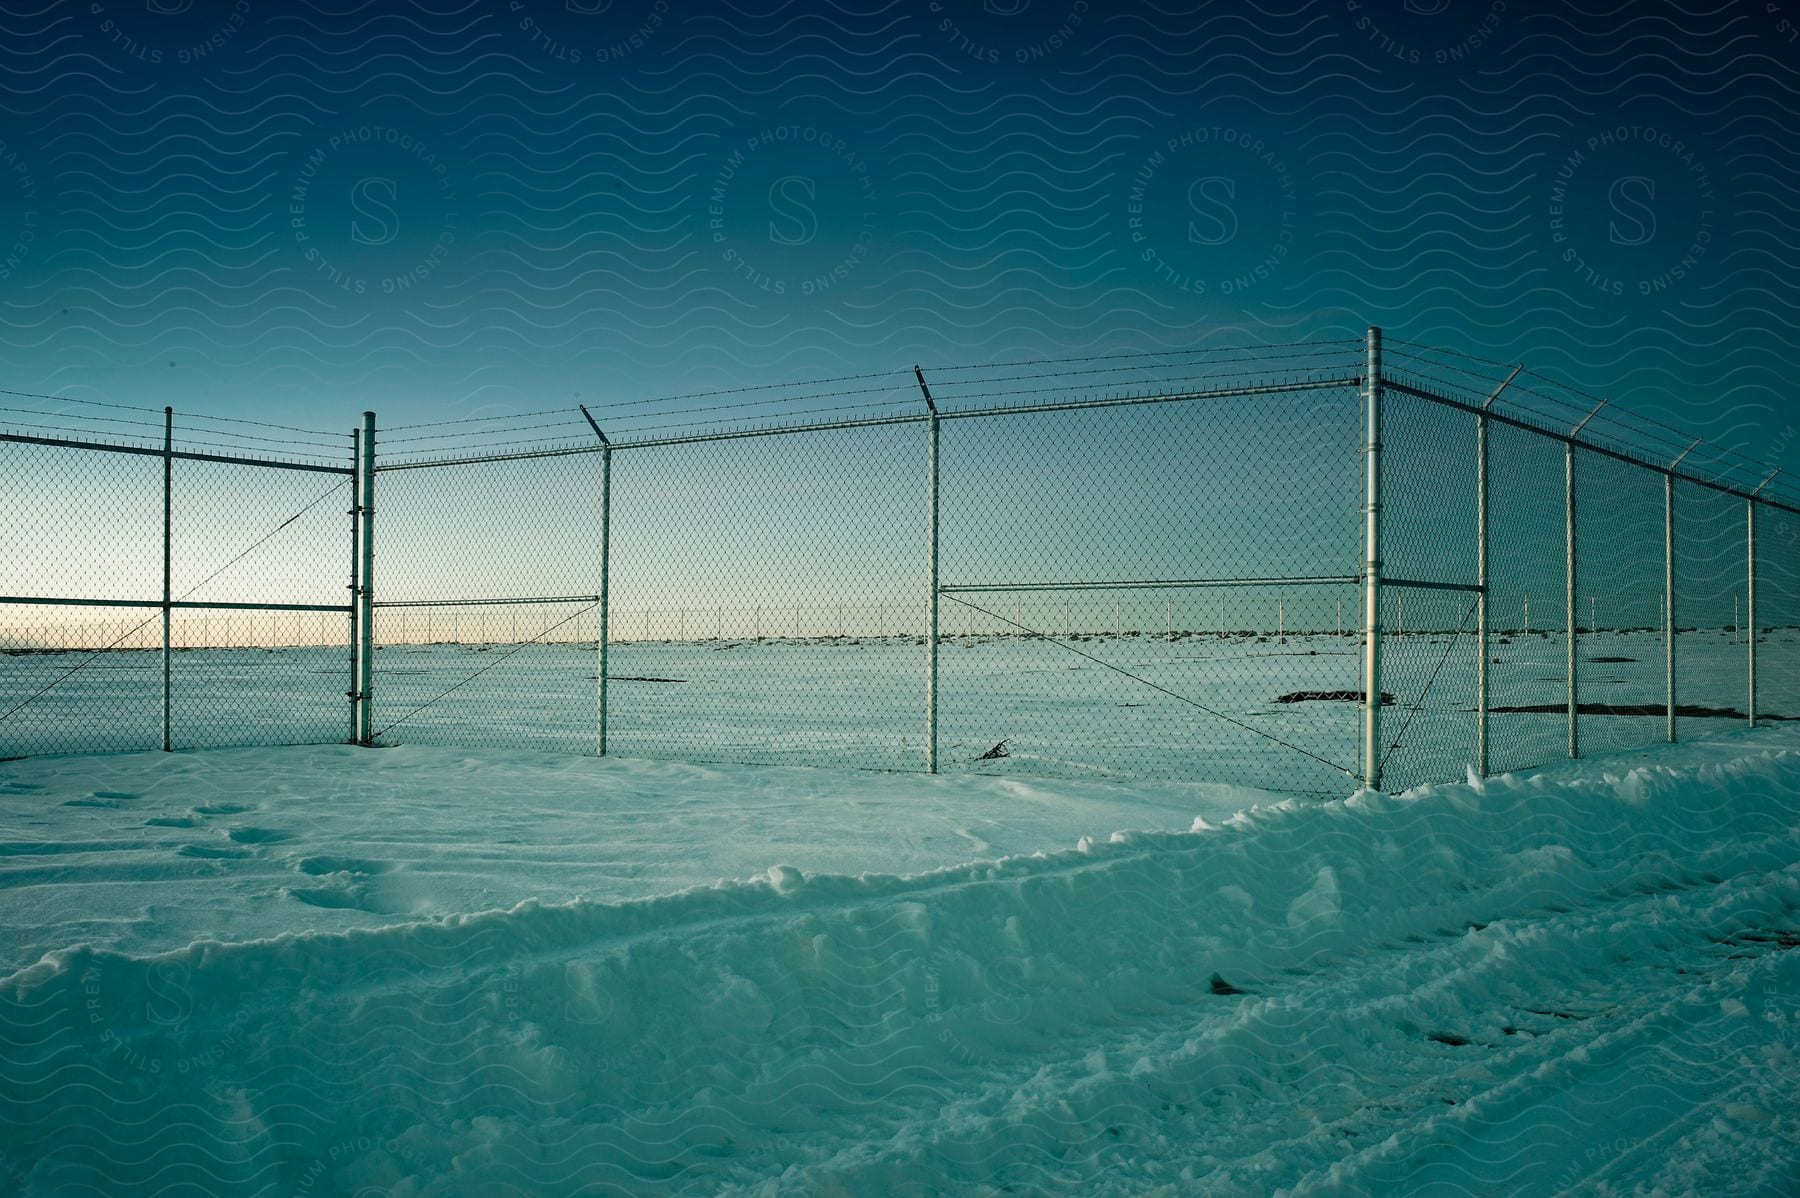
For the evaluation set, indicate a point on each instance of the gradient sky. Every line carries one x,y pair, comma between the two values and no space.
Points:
480,206
296,211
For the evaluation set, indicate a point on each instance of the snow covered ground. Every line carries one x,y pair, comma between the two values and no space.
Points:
1087,706
422,971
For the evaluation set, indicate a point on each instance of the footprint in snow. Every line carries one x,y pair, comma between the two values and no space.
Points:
351,898
320,866
221,809
211,852
249,835
172,821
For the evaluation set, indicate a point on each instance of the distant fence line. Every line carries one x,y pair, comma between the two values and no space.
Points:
1302,567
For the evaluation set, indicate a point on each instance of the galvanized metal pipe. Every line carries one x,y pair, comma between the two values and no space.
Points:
1371,730
931,639
365,658
605,597
184,455
1750,605
354,693
1481,599
1569,595
1154,584
173,604
168,529
1669,600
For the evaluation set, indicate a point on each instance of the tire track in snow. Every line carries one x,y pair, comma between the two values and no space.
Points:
1408,1100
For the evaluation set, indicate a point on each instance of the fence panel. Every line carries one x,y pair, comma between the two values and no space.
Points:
1429,534
79,524
1527,556
259,535
1777,614
769,599
1618,604
1239,683
480,666
1711,658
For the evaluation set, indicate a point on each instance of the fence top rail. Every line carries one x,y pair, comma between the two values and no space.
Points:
186,455
1573,437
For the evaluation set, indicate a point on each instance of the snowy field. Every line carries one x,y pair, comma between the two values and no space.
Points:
425,971
1087,706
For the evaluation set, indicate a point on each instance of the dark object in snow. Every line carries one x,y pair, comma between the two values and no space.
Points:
1611,660
1221,986
1447,1038
1692,711
635,678
1387,699
996,752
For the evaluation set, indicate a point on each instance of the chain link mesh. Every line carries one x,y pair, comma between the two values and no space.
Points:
1209,677
1527,600
1147,565
85,673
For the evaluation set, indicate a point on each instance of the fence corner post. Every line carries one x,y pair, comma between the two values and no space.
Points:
1371,721
354,694
605,632
605,596
365,596
931,632
168,457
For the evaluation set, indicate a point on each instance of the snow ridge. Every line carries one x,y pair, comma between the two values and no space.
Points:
1540,983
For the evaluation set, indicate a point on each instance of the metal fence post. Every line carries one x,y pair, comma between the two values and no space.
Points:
1371,749
365,599
168,525
1569,594
1481,595
355,692
1669,599
1750,604
931,637
931,681
605,593
600,642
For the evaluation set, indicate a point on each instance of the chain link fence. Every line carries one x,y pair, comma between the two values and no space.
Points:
169,583
1134,565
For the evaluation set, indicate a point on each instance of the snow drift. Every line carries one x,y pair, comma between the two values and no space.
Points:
1534,983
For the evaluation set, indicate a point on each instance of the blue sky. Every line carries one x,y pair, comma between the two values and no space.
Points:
468,208
480,206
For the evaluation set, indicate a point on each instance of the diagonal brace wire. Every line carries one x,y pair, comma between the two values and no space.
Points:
1269,736
93,654
484,669
1429,682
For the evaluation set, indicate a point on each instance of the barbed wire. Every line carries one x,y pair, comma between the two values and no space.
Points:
1119,354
